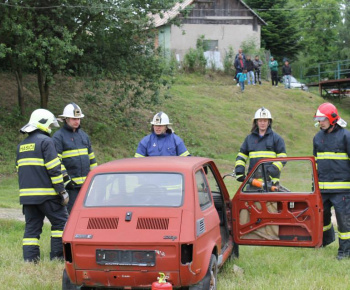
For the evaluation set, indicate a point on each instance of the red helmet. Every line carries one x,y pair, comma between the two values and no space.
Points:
329,111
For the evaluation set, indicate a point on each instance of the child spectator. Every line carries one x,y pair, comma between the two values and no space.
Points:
242,76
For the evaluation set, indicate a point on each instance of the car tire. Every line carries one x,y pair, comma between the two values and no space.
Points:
66,283
209,282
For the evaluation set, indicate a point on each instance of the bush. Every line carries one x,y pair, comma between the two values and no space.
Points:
194,60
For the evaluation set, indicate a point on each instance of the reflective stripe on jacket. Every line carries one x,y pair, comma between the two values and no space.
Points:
75,151
39,169
254,147
168,144
332,155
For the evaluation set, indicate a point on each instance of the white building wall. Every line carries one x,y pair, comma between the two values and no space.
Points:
185,37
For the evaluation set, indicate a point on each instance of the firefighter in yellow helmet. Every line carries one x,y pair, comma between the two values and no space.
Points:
75,151
263,142
41,187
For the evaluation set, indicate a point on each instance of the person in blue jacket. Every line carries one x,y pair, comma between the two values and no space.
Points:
162,141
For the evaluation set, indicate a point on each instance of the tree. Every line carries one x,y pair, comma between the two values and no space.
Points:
279,35
13,36
317,23
114,35
344,28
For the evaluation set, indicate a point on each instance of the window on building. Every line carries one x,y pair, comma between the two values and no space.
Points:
210,45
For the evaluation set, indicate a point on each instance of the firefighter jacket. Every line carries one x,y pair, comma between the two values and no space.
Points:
167,144
254,147
75,151
331,151
39,169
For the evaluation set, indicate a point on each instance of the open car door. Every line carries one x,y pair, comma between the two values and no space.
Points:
279,208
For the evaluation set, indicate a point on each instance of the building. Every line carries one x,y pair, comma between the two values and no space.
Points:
223,23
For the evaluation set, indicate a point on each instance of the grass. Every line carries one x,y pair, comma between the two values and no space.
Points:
263,267
16,274
212,117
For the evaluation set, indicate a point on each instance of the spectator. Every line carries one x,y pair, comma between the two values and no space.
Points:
240,51
241,79
239,66
287,73
250,70
257,67
273,65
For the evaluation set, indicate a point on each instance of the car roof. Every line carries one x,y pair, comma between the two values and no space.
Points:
152,164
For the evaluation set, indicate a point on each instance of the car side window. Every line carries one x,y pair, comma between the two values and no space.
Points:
203,190
213,184
296,176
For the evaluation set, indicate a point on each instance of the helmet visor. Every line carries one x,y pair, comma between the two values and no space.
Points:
55,123
320,118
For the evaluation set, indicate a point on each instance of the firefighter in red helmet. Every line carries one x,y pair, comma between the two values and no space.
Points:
331,148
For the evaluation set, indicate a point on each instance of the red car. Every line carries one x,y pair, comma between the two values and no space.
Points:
135,218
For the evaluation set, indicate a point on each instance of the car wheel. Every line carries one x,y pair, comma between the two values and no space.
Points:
66,283
210,279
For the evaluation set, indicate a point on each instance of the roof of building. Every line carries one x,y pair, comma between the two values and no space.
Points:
164,18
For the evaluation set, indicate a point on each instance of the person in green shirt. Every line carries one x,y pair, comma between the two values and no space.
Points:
273,65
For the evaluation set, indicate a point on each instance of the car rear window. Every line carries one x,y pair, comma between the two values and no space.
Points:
135,189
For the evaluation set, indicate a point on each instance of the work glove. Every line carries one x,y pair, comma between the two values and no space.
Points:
68,182
240,177
64,197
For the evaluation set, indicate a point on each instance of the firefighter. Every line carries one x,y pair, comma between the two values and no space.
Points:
331,148
41,187
162,141
263,142
74,149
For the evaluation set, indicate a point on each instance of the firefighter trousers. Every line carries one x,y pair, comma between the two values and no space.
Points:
34,218
341,204
73,194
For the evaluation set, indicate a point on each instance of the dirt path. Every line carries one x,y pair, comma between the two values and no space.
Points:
11,213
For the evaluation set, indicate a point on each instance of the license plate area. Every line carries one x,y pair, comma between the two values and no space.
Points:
126,257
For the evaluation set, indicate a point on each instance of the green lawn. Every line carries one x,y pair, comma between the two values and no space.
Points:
212,117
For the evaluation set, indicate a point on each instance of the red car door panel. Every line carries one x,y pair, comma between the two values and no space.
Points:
279,210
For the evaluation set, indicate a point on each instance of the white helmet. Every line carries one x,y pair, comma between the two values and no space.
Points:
160,119
262,113
72,110
40,119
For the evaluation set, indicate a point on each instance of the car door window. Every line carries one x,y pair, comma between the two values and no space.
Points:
295,176
203,190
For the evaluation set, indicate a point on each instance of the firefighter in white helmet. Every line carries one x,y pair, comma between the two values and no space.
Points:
74,149
263,142
162,141
41,187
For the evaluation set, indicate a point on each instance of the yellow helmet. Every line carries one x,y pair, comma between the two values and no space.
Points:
40,119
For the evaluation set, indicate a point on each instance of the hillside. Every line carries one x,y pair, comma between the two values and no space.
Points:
208,111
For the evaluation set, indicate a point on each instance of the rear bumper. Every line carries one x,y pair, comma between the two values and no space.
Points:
135,279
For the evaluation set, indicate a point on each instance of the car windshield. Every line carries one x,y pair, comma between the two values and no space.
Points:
135,189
